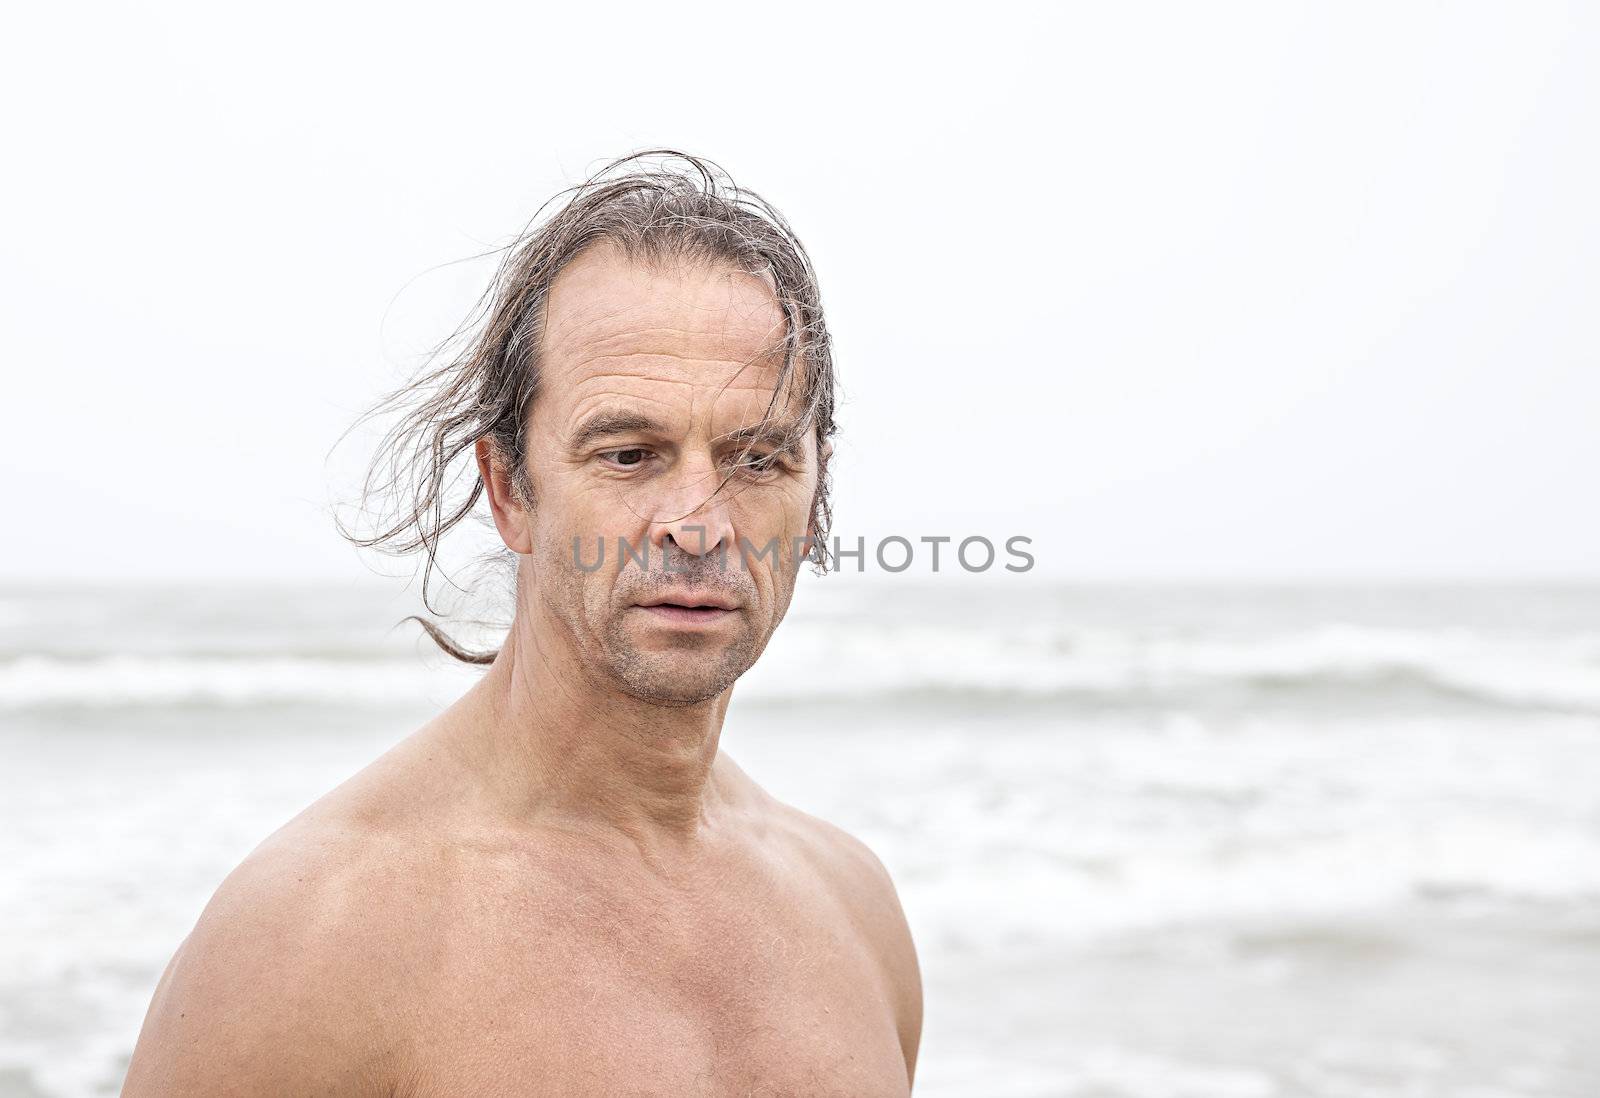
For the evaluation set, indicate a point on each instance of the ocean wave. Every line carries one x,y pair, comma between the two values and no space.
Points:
1328,666
118,681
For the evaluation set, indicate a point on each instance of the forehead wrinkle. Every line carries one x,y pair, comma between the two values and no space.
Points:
739,364
671,369
590,404
744,413
646,386
659,340
732,323
743,386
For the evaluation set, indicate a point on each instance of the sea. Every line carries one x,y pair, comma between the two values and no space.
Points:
1153,841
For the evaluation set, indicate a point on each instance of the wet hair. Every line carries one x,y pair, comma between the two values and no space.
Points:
660,207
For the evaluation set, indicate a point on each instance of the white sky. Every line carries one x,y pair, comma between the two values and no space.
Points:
1266,292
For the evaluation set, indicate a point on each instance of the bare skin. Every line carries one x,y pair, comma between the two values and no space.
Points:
561,886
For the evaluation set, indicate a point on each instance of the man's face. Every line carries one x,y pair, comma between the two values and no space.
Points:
655,424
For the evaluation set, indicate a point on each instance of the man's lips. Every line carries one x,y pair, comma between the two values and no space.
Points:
687,615
689,609
690,599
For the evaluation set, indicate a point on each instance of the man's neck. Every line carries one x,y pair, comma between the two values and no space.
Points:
550,743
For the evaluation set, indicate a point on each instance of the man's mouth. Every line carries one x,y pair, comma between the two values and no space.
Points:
690,609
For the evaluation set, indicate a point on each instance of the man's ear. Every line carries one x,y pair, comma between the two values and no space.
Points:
510,517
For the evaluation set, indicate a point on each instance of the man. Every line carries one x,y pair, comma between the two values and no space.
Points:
560,885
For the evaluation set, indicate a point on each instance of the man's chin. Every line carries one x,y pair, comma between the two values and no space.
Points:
678,678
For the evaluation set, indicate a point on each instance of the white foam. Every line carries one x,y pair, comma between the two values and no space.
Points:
119,681
818,658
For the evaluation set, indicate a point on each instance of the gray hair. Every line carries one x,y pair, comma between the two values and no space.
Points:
658,205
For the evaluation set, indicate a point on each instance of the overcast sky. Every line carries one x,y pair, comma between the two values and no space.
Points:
1265,292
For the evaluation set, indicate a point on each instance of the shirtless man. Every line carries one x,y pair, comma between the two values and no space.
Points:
560,885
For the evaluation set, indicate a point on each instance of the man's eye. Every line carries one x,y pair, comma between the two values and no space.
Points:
626,458
759,463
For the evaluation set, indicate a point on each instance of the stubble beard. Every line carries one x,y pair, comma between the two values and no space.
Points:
677,678
603,626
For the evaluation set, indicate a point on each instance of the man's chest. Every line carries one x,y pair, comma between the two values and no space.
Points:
739,997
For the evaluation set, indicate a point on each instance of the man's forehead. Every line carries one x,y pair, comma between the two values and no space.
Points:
605,305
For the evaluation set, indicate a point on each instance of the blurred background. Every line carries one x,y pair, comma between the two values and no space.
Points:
1270,325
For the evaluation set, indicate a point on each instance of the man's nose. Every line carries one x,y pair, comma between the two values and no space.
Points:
695,516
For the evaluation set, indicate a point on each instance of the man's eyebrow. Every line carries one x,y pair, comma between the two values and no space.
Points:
602,424
780,436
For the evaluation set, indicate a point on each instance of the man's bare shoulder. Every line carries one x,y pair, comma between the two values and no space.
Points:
289,971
